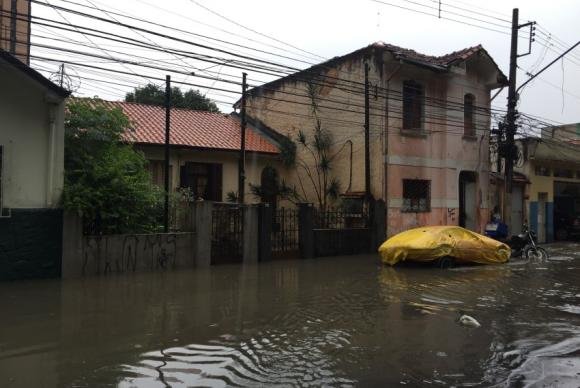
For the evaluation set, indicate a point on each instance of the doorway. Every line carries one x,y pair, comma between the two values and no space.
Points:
468,200
542,201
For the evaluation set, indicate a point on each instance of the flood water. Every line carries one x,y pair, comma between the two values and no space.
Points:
325,322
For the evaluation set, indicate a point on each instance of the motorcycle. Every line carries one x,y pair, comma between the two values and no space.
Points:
523,245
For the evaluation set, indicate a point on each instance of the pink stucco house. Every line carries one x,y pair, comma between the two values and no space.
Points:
429,128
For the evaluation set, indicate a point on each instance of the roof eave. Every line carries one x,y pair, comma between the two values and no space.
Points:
33,74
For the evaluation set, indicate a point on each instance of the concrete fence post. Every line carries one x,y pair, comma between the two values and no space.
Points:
251,215
202,226
378,224
306,230
265,232
72,245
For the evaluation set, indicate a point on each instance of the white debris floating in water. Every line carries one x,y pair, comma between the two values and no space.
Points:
467,320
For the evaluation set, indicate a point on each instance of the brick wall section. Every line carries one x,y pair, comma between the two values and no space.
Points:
31,244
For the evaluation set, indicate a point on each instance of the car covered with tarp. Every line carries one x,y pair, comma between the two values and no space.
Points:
451,243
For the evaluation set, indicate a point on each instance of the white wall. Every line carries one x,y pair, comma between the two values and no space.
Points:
32,136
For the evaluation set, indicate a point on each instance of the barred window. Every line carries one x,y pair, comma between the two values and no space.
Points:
468,116
413,105
416,195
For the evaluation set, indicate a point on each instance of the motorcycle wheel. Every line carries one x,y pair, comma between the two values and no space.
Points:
536,255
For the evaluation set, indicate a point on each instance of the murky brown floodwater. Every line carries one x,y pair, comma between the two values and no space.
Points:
332,322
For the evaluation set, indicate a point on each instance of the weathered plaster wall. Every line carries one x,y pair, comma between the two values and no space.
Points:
136,252
32,136
439,154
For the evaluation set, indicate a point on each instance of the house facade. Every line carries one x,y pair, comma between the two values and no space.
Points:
552,197
429,128
204,149
15,28
31,171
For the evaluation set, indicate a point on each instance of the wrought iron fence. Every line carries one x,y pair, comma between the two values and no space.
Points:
285,237
226,233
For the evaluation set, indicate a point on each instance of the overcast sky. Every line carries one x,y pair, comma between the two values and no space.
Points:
326,28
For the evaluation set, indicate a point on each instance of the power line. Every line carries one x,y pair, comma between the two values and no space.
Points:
252,30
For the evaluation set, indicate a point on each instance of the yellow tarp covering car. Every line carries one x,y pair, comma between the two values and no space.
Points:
430,243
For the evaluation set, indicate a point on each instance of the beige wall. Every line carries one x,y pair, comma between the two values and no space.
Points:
22,28
32,137
440,155
229,160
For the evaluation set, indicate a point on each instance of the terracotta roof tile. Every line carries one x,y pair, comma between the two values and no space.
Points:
443,60
190,128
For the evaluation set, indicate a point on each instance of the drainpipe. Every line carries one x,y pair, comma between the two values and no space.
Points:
386,146
51,151
350,168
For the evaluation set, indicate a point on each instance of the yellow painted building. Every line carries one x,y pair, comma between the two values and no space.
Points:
552,198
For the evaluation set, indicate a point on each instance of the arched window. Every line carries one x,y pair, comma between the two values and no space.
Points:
468,115
269,183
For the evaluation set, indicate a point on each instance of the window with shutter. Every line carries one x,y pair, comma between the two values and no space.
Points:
468,115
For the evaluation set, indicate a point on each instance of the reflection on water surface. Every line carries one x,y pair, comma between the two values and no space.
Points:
333,322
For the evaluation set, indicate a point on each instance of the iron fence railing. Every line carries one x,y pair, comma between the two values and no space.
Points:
285,228
226,233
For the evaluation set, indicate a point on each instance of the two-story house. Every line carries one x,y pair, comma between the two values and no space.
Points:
429,127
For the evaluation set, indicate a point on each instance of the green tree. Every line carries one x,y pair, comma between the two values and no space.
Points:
106,180
155,95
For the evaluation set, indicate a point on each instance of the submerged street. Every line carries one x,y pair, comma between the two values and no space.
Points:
345,321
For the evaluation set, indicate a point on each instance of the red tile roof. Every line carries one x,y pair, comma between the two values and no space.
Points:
443,60
438,63
189,128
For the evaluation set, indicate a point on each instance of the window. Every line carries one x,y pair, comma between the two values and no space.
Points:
543,171
563,173
157,171
416,195
204,180
468,116
413,105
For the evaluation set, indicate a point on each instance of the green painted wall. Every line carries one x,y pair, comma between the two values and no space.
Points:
31,244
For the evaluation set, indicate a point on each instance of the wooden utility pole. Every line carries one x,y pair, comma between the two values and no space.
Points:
367,145
166,166
242,161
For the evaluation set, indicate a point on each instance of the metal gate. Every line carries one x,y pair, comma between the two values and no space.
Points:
226,234
340,232
285,243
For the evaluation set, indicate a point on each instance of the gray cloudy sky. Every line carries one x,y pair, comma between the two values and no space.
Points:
325,27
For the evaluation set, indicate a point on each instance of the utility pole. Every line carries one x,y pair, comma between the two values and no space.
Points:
166,166
511,120
61,79
242,162
367,150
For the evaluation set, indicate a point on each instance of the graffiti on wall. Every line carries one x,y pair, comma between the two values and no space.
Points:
128,253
